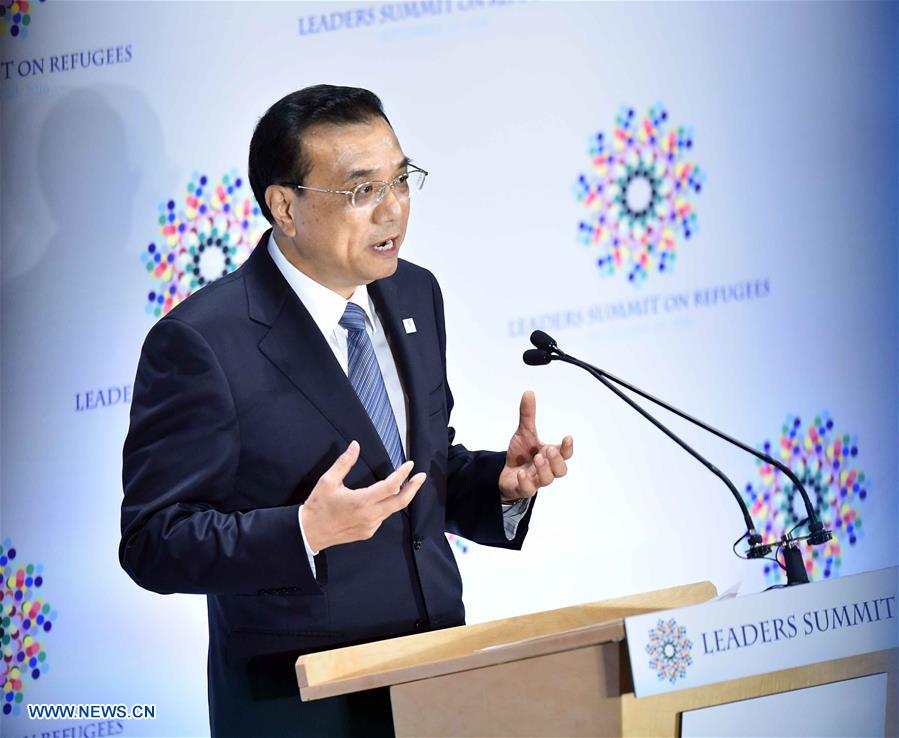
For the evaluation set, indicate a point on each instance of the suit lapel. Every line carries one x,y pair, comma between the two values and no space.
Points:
393,305
296,346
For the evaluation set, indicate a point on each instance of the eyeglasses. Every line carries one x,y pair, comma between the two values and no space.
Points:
369,194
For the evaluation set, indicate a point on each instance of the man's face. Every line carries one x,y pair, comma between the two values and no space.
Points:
337,245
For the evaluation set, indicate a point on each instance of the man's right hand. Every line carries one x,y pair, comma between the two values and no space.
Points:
334,514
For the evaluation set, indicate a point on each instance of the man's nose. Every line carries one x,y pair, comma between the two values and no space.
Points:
390,207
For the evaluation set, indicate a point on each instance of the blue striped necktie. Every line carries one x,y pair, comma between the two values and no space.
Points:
365,376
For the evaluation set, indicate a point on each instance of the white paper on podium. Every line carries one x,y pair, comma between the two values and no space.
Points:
811,712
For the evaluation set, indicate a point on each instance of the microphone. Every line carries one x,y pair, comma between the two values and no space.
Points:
536,357
544,341
547,350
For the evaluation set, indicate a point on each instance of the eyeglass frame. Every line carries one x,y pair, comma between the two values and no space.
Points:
351,194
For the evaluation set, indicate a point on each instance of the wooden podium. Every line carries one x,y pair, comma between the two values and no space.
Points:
556,673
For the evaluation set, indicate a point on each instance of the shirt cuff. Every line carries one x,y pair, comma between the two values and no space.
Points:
513,512
310,554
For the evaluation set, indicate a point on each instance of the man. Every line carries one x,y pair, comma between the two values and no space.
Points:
289,453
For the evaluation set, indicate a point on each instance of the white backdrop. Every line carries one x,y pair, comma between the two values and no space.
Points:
792,113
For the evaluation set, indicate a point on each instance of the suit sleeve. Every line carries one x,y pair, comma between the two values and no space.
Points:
179,470
473,503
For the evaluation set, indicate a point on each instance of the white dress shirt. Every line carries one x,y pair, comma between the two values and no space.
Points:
327,308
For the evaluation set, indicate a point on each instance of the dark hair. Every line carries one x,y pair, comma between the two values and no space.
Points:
276,149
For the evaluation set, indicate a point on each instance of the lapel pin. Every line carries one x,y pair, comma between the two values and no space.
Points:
409,325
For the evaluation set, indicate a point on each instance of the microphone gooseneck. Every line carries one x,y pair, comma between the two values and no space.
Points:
547,350
817,534
756,549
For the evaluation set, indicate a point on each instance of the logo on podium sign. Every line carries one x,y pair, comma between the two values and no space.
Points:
669,650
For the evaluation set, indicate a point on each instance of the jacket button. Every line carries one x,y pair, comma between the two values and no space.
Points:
419,625
416,543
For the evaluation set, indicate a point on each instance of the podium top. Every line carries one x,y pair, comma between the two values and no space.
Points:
426,655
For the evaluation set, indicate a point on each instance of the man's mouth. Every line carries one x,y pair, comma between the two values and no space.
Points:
384,246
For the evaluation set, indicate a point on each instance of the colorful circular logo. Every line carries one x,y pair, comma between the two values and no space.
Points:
639,194
25,617
669,650
15,17
209,234
825,462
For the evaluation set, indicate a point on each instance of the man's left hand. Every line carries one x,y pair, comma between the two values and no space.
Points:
530,463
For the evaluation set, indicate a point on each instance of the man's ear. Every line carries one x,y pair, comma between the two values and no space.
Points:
280,203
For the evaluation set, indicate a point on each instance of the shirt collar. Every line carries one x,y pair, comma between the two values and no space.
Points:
324,305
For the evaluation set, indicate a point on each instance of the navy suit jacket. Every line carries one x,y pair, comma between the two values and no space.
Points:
238,407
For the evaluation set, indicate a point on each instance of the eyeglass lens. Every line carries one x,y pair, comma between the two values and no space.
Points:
371,193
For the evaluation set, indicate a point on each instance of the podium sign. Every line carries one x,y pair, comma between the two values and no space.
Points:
739,637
